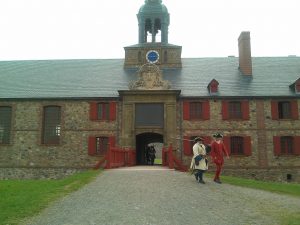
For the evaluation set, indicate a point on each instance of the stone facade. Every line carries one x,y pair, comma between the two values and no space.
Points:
26,150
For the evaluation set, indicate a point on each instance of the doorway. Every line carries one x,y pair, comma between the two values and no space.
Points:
145,140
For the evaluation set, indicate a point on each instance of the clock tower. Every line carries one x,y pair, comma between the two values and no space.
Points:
153,23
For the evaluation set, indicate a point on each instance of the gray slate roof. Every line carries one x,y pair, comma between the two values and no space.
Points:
90,78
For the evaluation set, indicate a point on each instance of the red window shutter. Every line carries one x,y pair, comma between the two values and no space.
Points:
224,110
247,145
112,141
245,110
274,110
294,108
93,111
112,111
206,110
297,145
187,148
92,146
186,110
226,141
276,143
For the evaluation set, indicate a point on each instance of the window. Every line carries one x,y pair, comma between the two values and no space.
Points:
165,56
103,111
140,56
237,145
284,110
51,125
196,110
101,145
213,86
286,145
5,124
235,110
149,114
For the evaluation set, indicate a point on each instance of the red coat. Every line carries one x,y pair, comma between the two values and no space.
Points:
217,152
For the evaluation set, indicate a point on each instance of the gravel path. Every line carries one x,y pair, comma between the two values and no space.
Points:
158,196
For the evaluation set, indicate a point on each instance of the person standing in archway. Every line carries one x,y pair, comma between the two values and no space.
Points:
198,163
218,151
152,155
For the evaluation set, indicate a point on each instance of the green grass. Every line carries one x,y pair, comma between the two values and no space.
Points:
281,188
157,161
292,189
24,198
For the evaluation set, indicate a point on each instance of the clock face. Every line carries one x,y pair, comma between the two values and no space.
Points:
152,56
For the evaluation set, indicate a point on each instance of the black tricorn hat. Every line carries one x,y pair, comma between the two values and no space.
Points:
218,135
198,139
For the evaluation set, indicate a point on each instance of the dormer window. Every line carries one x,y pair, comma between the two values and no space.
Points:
213,86
296,86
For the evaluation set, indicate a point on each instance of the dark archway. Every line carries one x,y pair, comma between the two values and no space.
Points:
142,141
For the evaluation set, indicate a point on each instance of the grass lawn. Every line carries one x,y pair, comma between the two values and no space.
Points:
292,189
24,198
281,188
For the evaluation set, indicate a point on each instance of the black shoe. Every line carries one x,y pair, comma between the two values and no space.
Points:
201,182
218,181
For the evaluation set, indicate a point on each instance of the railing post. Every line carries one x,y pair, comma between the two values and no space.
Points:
109,157
170,155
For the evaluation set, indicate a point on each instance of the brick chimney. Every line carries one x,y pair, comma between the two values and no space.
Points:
245,61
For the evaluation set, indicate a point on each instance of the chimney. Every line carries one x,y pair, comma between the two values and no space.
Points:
245,61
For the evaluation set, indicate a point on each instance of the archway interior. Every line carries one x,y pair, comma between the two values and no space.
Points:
145,140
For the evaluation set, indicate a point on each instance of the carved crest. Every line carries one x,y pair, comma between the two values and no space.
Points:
149,78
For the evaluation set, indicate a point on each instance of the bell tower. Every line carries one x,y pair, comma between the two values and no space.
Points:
153,18
153,24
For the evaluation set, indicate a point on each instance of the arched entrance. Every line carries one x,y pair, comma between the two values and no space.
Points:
145,139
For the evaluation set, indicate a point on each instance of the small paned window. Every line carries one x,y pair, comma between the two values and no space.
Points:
5,124
237,145
51,125
140,57
235,110
103,111
165,56
284,110
196,110
101,145
286,145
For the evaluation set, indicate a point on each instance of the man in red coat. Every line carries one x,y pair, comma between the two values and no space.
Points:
218,150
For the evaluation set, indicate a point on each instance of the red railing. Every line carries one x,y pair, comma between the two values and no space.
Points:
117,157
170,160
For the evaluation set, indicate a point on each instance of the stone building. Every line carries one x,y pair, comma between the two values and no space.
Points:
61,115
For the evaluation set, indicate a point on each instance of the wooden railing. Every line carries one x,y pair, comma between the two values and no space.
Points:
117,157
169,159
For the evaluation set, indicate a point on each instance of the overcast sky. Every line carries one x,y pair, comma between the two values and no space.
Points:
92,29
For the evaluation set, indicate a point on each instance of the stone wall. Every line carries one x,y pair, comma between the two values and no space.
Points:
262,164
26,150
37,173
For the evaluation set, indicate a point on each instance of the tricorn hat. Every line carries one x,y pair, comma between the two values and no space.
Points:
198,139
218,135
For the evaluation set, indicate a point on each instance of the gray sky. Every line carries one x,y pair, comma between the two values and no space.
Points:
88,29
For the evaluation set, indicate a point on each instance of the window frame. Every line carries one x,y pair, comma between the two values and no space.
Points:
237,145
52,128
284,110
235,110
7,127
